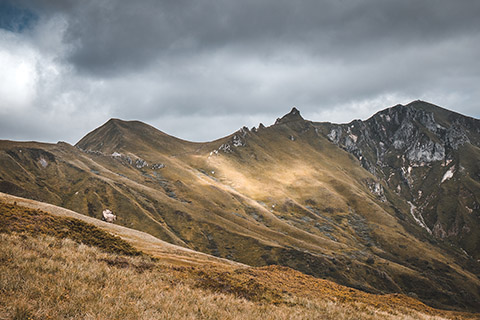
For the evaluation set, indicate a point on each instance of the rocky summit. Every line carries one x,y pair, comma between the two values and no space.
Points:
386,205
429,157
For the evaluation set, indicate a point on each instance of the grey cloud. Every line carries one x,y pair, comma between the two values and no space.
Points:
182,64
116,36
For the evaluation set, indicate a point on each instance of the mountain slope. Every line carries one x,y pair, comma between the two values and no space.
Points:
142,241
55,266
288,194
428,156
116,135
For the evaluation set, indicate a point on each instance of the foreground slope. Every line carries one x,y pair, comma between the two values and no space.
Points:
44,274
285,194
142,241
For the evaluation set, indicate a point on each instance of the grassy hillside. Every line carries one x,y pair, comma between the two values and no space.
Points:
31,217
20,219
282,195
45,274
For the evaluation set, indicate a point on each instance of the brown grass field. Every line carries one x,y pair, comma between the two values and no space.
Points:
54,266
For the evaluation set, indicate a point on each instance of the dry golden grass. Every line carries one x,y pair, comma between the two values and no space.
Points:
142,241
15,218
44,274
49,278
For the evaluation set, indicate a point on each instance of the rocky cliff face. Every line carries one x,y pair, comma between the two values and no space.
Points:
429,157
409,130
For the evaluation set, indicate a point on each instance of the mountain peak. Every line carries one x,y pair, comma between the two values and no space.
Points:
117,134
293,115
294,111
114,121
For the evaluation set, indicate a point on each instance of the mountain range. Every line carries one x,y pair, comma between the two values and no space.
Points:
386,205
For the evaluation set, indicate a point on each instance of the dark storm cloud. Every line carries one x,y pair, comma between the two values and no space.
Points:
109,36
115,36
202,69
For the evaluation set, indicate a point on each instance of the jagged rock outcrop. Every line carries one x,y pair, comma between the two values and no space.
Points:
410,130
157,166
238,139
414,150
293,115
140,163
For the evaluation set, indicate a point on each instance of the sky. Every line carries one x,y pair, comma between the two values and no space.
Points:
201,69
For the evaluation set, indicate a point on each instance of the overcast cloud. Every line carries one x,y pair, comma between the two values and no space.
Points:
199,70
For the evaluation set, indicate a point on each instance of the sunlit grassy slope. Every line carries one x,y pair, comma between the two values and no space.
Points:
280,195
44,274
